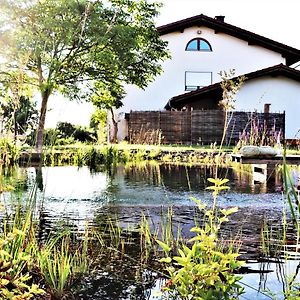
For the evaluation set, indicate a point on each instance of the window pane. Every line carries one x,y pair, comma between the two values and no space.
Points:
204,45
196,80
193,45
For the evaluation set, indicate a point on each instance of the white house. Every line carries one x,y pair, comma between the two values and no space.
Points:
201,47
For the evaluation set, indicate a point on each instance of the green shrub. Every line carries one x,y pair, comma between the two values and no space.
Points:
67,133
9,152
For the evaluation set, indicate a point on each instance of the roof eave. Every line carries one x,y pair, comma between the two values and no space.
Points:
291,54
277,70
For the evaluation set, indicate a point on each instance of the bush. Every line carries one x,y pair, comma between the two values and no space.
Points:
67,133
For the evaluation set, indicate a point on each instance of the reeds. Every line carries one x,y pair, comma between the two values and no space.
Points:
59,263
26,264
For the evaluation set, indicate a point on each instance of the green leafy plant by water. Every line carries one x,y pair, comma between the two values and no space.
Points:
16,261
292,198
59,264
15,279
202,269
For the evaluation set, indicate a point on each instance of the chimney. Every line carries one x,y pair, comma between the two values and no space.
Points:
220,18
267,108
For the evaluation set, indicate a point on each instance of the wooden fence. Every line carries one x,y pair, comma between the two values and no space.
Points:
201,126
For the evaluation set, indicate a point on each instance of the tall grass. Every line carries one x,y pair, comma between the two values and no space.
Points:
60,264
26,264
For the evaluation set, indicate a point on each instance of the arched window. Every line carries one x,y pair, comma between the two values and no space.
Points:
198,44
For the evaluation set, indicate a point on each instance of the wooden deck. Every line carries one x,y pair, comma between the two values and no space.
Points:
278,159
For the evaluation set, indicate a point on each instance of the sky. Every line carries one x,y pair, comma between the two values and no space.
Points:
276,19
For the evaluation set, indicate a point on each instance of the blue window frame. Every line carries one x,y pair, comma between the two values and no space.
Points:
198,44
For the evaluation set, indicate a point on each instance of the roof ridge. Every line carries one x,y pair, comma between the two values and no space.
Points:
292,54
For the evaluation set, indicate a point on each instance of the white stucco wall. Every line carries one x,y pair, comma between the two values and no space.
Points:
228,53
282,93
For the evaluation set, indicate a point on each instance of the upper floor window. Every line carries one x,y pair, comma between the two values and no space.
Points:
198,44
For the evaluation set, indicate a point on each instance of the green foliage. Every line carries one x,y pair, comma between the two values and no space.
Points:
59,264
26,264
21,117
202,269
16,260
72,44
99,117
230,87
78,133
66,133
292,200
99,124
9,152
108,96
291,195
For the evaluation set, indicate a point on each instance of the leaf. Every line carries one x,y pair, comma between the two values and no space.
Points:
211,188
223,181
182,261
166,260
4,282
200,205
181,253
212,180
220,188
227,212
164,246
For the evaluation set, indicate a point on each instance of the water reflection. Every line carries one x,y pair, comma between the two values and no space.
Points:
71,196
78,193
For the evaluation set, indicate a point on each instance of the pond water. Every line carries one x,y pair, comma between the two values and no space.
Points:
78,195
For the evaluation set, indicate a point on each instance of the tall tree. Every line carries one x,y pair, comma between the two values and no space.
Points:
73,43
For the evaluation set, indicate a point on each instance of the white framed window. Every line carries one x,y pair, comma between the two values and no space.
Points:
197,80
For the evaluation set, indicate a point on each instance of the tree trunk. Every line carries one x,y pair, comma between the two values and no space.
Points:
40,130
114,138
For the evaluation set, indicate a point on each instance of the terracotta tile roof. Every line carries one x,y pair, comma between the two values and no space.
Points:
179,101
291,54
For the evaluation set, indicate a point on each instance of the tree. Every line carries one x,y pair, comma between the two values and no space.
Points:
108,97
98,123
73,44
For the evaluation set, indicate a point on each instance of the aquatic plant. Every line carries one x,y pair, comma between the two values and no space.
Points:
202,269
15,279
16,260
27,264
59,264
293,201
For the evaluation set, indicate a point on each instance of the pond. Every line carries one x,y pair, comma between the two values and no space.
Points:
78,195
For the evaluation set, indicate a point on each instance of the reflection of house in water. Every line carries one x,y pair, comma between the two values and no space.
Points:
244,178
175,177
